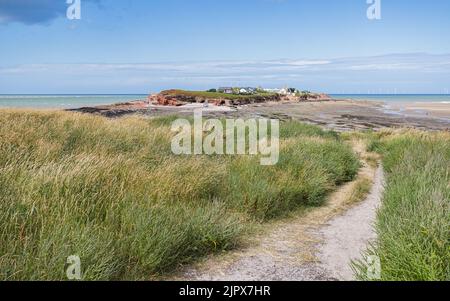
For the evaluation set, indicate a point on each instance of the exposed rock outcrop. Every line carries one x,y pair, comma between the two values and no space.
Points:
115,110
179,98
313,97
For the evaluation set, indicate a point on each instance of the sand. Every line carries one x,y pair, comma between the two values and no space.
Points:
343,115
439,110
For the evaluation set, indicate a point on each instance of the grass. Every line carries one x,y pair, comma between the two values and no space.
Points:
413,224
360,191
218,95
112,192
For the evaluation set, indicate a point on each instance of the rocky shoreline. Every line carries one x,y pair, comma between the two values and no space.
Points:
339,115
180,98
170,99
115,110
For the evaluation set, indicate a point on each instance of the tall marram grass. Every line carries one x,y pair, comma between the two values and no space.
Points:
111,192
413,224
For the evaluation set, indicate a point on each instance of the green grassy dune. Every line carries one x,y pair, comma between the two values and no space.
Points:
413,224
111,192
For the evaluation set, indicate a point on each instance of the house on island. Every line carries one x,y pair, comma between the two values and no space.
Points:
288,91
278,91
283,91
226,90
247,90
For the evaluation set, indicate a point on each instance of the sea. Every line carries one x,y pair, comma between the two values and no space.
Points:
398,98
77,101
64,101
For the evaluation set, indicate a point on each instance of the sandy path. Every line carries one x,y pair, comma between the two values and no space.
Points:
346,236
319,244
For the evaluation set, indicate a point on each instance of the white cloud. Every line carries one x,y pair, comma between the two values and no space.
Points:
324,74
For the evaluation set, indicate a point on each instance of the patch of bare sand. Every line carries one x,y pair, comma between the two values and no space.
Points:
293,249
439,110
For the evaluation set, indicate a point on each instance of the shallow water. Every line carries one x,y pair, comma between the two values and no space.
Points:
389,98
63,101
76,101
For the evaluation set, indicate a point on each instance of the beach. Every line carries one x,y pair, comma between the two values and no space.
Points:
339,115
439,110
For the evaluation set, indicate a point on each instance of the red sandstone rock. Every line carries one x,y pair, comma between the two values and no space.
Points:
172,98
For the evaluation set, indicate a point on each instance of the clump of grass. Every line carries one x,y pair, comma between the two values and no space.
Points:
308,169
360,191
413,224
293,129
111,192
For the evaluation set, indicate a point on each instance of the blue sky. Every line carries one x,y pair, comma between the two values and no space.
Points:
139,46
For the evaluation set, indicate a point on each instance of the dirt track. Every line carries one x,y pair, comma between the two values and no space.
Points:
346,236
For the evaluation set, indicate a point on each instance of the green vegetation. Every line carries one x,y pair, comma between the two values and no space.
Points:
360,191
413,224
304,95
111,192
217,95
